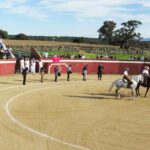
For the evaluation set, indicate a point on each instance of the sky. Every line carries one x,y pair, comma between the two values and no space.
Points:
79,18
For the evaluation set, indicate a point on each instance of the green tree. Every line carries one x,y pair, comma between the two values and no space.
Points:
106,31
3,34
127,34
21,36
79,40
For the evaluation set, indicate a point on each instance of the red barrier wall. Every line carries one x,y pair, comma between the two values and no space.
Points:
7,66
110,67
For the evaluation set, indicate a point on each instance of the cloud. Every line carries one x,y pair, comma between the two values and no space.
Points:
89,11
83,9
23,7
80,9
10,3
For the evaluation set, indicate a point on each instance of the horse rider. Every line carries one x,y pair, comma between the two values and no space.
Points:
126,76
145,74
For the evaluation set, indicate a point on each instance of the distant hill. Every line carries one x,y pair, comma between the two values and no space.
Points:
146,39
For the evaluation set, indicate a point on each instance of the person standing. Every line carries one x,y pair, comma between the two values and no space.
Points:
27,63
24,74
40,65
33,65
84,72
42,71
56,72
21,65
100,71
69,71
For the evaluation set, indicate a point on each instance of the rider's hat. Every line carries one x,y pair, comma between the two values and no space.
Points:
146,67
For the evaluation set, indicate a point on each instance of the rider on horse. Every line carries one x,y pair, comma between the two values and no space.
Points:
126,76
145,74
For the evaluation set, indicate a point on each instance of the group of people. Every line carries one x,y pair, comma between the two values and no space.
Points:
24,69
29,65
5,52
58,73
145,74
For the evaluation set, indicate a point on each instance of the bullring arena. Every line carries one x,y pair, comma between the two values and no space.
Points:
75,115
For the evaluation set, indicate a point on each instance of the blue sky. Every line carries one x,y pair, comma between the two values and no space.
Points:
70,17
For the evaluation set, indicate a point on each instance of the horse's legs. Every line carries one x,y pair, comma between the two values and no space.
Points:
133,93
137,89
146,91
117,94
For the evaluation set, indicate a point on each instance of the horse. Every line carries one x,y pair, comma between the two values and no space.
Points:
122,84
141,83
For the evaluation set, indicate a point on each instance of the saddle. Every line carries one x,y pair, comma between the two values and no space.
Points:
124,80
127,82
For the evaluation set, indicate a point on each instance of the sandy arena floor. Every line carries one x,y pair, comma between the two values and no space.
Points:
75,115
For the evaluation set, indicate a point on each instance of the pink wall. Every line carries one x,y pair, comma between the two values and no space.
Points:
110,67
7,66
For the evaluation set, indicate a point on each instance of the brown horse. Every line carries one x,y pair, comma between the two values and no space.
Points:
144,84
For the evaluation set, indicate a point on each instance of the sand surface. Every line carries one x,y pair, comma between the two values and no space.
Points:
74,115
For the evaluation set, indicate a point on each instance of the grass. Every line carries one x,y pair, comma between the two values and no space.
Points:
84,49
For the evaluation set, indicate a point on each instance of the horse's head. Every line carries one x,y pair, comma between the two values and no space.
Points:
134,83
137,78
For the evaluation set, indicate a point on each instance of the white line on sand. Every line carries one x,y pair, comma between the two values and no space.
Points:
32,130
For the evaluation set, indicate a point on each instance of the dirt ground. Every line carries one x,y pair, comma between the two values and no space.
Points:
74,115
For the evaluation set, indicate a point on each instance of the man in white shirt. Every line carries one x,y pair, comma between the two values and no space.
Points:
145,74
33,66
146,71
21,65
126,76
40,65
27,64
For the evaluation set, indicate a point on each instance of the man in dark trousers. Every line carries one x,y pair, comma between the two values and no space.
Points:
100,71
42,71
56,72
24,74
84,72
69,71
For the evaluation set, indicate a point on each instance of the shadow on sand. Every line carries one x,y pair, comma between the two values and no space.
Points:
89,97
9,83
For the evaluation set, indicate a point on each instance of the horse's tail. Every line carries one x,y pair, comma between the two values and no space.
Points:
111,86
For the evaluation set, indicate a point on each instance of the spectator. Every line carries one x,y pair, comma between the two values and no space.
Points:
21,65
45,54
40,65
56,71
33,66
24,74
69,71
42,71
3,48
84,72
100,71
27,64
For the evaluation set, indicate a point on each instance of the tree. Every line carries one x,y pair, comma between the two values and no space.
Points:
106,31
3,34
127,34
79,40
21,36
